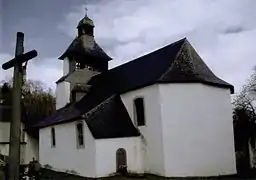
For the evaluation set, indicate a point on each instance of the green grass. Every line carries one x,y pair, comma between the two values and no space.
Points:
52,175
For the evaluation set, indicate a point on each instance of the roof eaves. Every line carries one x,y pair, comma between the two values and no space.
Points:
114,137
55,123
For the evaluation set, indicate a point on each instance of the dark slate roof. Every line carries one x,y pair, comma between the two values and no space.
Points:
175,63
189,67
108,119
79,75
78,87
77,47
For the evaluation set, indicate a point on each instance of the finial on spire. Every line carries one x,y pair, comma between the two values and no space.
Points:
86,11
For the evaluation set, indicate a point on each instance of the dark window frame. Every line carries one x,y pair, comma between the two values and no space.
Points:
139,111
53,137
73,96
80,134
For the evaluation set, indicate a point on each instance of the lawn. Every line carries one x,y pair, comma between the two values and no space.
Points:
51,175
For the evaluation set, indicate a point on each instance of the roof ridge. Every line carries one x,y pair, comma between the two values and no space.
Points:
88,113
188,66
176,56
158,49
136,59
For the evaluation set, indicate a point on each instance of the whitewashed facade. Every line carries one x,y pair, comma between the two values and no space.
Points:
90,160
188,132
62,94
66,156
152,142
29,145
201,117
106,152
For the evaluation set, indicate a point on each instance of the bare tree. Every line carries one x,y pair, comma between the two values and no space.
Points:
245,98
38,102
244,115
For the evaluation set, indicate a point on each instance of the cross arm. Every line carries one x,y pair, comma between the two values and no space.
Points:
20,59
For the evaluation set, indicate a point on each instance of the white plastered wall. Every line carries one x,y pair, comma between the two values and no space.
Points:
197,130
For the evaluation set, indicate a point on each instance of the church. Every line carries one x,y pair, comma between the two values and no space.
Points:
165,113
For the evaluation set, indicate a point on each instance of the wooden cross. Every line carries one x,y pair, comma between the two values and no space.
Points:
16,63
20,59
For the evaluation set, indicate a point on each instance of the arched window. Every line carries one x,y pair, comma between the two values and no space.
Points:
121,159
53,137
22,132
80,134
139,111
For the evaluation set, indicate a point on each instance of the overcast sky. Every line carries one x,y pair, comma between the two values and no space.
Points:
222,31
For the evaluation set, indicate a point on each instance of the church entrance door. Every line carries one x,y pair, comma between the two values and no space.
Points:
121,159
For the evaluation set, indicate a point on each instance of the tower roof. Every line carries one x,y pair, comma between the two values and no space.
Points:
77,47
85,21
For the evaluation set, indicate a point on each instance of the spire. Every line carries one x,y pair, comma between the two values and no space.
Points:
85,25
86,12
86,9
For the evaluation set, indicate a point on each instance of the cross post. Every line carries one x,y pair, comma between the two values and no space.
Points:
15,129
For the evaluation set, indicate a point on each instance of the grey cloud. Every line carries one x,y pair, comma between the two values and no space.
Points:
128,29
1,25
234,30
137,27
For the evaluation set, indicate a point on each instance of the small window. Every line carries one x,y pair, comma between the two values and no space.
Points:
73,96
139,111
77,65
90,68
53,137
80,135
80,65
22,136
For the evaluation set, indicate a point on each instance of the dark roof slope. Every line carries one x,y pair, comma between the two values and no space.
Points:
143,71
77,47
108,119
69,112
189,67
177,62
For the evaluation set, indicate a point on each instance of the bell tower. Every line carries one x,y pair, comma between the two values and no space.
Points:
82,60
